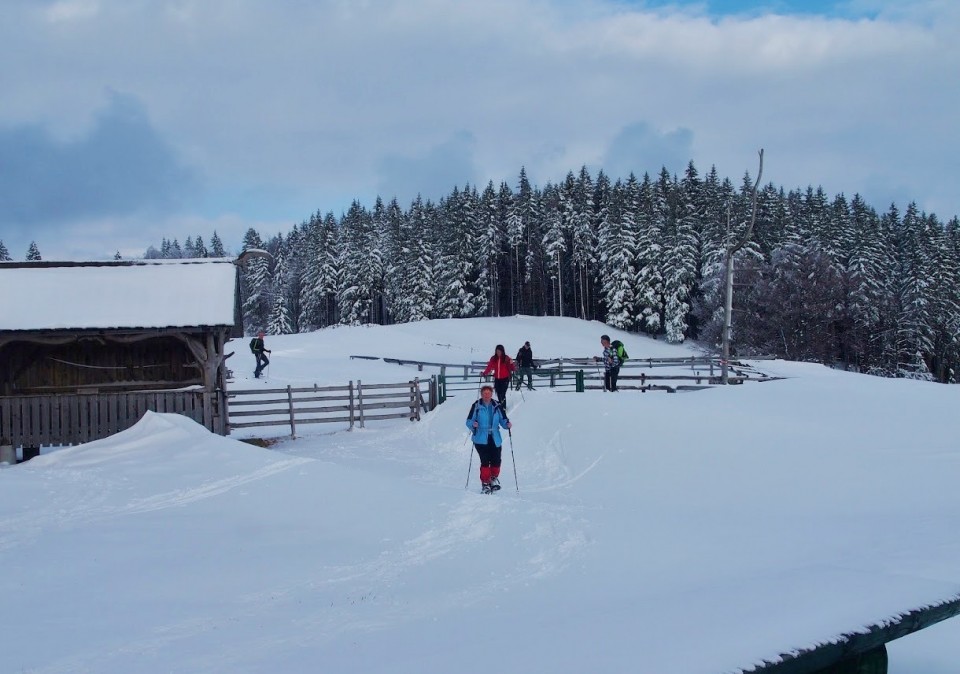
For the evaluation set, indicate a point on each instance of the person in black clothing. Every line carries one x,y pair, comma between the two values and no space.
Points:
259,348
525,363
611,364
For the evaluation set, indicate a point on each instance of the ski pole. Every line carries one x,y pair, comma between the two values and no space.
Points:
513,460
469,468
469,435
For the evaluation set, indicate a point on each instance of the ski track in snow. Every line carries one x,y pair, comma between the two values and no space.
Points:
181,497
363,597
61,513
333,601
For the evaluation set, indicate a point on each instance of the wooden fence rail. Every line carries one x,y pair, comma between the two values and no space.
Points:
697,364
32,421
352,404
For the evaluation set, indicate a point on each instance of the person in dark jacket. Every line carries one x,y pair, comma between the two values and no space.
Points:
485,420
525,363
259,348
502,367
611,364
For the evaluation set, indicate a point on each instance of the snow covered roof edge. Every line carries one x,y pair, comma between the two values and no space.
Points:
118,294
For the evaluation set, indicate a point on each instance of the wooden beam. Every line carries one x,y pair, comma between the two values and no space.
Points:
847,647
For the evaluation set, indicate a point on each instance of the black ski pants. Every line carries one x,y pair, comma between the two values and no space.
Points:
490,454
501,386
262,362
610,378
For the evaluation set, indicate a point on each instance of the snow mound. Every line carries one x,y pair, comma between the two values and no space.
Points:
155,440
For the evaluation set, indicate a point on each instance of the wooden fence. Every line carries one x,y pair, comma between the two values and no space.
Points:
32,421
701,367
352,404
582,374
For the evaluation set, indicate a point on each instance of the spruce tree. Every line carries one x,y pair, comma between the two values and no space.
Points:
682,251
255,286
279,322
616,243
579,198
554,245
490,244
33,253
4,253
199,249
216,246
647,212
355,295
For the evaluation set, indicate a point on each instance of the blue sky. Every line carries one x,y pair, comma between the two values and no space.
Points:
125,121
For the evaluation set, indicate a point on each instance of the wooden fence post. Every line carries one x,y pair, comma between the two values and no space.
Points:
351,405
415,398
293,425
360,402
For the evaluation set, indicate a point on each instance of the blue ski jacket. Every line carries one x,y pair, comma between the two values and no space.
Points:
490,418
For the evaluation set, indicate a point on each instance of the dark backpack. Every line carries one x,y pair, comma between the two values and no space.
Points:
253,345
619,350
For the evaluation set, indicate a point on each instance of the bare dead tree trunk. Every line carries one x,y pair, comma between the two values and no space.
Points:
732,249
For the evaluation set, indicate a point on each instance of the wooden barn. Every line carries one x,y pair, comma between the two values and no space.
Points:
87,347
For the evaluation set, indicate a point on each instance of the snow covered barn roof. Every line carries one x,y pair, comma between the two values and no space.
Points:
118,294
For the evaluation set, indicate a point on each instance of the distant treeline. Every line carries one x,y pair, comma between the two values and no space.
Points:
827,280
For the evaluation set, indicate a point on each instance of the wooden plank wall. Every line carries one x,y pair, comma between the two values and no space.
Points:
66,419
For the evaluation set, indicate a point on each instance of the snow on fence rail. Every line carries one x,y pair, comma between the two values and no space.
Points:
353,404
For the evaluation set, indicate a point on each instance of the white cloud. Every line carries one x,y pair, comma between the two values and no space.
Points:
71,10
322,99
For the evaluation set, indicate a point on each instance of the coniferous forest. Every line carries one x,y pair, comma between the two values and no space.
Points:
821,279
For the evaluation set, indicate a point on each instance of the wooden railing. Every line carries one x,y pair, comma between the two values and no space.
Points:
701,367
32,421
351,404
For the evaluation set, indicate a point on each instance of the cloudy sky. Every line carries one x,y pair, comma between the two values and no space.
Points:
123,121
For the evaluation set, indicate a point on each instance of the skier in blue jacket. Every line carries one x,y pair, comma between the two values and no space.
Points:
485,420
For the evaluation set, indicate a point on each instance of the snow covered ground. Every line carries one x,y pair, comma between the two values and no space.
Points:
690,533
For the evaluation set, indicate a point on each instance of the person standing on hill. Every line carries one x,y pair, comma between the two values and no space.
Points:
611,364
525,363
485,420
259,348
501,367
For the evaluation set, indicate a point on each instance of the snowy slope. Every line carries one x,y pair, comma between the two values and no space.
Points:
687,533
